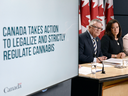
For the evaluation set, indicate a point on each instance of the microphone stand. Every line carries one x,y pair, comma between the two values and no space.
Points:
103,72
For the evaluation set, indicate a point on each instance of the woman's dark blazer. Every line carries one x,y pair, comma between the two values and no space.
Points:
110,46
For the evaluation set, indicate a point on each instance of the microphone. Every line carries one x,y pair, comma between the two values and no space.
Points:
103,72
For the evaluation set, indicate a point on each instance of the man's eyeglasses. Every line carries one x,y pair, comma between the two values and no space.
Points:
97,27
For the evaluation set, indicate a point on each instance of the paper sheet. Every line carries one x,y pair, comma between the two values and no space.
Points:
86,70
100,65
115,61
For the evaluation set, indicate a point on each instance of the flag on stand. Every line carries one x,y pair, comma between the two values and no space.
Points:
94,9
109,14
85,14
101,16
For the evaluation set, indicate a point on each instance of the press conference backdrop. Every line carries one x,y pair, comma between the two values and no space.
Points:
39,44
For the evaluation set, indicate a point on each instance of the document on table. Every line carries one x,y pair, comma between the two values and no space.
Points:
101,65
86,70
113,61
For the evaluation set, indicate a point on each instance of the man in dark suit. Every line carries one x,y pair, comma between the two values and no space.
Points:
89,43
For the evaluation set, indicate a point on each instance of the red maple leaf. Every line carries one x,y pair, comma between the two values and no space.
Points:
101,10
84,12
94,11
108,13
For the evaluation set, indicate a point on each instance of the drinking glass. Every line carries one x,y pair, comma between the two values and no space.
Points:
93,67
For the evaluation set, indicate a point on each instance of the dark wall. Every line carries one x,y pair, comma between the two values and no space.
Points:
120,7
121,14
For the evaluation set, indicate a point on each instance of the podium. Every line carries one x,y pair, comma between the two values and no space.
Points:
113,83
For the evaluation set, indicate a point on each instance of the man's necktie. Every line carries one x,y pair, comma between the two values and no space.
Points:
95,47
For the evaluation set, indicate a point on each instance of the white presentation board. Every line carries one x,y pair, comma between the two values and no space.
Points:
39,44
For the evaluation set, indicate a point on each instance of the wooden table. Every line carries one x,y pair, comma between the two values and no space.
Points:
113,83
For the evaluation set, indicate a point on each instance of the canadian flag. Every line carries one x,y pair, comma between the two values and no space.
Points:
80,30
101,16
94,9
85,14
109,14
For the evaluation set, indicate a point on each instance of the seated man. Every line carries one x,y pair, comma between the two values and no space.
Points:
125,43
89,43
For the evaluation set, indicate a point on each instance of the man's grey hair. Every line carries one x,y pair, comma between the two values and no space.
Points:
93,21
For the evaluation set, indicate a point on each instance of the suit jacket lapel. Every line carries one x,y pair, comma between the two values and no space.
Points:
89,41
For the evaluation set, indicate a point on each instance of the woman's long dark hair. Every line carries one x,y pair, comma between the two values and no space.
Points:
108,29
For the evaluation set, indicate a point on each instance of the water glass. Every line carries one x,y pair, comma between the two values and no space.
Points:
93,68
124,63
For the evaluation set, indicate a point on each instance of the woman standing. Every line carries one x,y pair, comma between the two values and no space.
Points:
111,42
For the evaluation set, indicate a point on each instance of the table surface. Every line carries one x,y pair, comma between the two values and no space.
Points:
111,73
